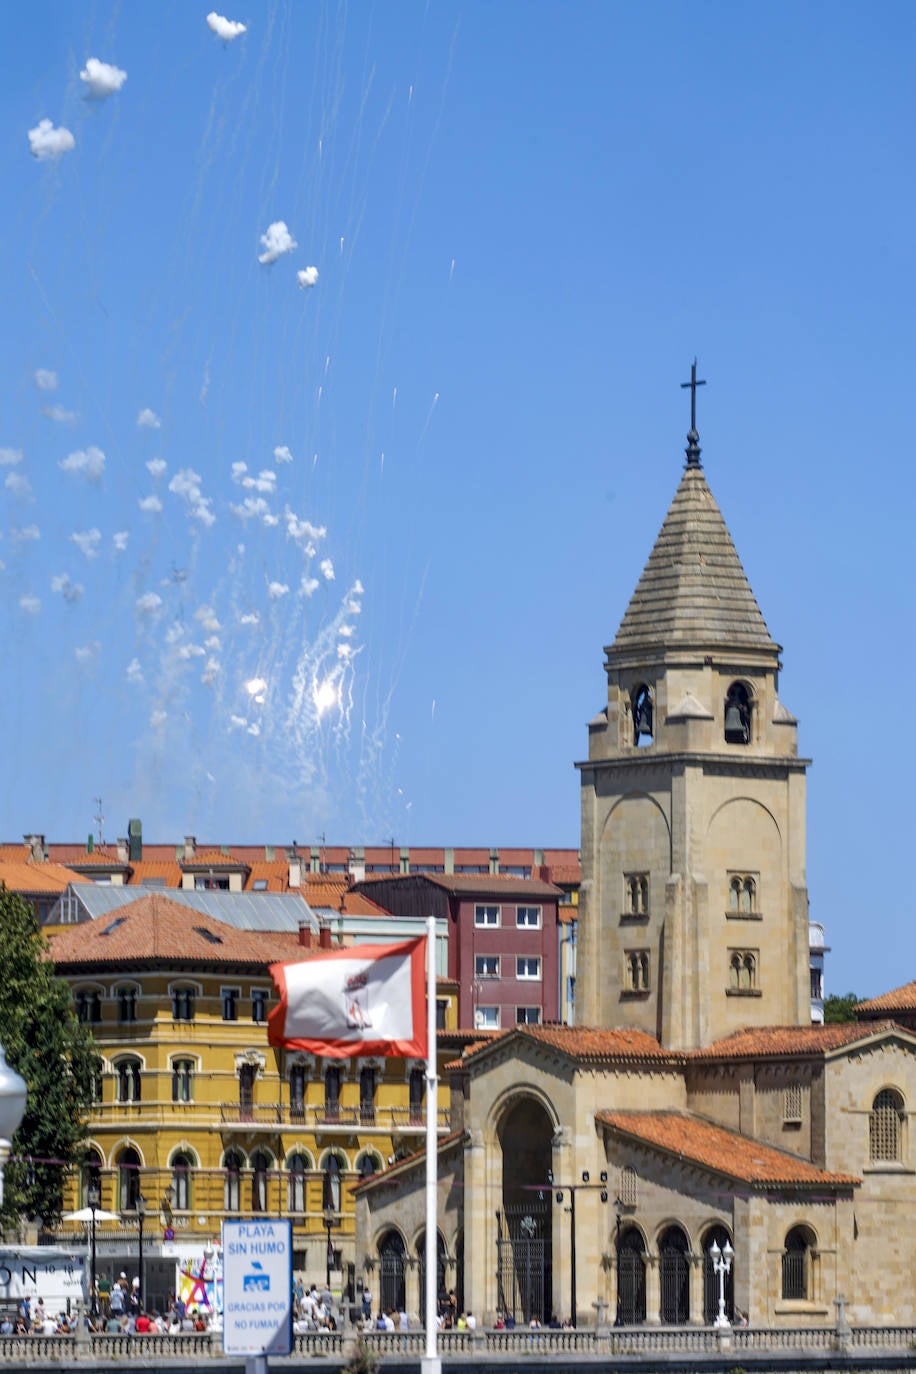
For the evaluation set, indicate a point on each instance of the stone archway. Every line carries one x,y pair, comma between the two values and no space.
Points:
524,1221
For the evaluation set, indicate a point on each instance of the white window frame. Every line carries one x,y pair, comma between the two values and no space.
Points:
486,1018
481,918
526,977
526,924
483,972
528,1020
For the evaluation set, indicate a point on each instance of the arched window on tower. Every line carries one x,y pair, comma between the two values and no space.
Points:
642,713
885,1127
737,715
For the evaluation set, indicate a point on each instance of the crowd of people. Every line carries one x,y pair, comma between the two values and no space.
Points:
313,1308
118,1311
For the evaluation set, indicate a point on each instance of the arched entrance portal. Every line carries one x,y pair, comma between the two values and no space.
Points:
392,1289
524,1257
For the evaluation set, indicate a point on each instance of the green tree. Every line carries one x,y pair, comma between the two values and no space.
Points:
54,1053
838,1010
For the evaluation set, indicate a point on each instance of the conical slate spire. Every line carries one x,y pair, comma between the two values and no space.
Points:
693,592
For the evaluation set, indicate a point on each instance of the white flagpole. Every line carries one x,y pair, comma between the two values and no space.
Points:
431,1364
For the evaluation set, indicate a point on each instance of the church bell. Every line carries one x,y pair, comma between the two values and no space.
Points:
736,731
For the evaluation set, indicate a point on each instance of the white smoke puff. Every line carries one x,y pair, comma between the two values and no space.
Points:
253,507
10,456
211,669
101,79
276,240
345,631
87,541
270,521
148,419
265,481
47,143
277,589
345,652
251,618
208,619
85,653
307,277
18,484
70,591
282,454
27,534
30,604
120,540
302,530
158,719
60,415
88,463
357,589
150,503
238,471
202,511
213,643
156,467
45,379
148,603
254,729
174,633
238,722
226,29
189,651
308,585
134,671
327,569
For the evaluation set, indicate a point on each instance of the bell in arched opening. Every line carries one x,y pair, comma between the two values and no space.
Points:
641,708
737,715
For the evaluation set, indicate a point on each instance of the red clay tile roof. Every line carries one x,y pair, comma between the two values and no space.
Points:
155,929
472,884
24,875
588,1044
101,856
777,1041
211,858
739,1157
901,999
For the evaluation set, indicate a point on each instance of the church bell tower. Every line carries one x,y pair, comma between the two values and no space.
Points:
693,915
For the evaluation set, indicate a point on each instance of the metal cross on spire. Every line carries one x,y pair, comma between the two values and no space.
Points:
693,438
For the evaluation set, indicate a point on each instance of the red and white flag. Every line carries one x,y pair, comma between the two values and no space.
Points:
367,999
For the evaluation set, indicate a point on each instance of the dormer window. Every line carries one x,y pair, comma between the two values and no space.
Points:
641,709
737,715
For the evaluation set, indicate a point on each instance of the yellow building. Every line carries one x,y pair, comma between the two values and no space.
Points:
198,1116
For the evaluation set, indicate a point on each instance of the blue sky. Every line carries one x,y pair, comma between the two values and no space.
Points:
526,219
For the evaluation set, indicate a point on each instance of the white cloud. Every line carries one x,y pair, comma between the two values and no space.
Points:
302,531
327,569
150,504
188,651
60,414
101,79
282,454
120,540
47,143
252,508
156,467
148,419
158,719
148,603
275,590
213,643
88,463
134,671
308,276
45,380
18,484
10,456
266,481
238,722
87,542
250,618
226,29
308,585
70,591
85,653
208,619
30,604
276,241
254,729
238,471
25,535
186,484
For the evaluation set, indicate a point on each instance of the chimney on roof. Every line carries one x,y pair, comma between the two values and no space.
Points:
37,850
295,867
305,935
123,851
135,840
324,935
190,845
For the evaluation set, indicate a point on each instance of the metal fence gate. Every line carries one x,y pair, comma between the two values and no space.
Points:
674,1279
524,1261
632,1286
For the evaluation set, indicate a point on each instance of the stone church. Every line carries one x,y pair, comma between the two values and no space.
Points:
598,1171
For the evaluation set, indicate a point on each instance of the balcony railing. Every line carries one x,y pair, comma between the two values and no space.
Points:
318,1117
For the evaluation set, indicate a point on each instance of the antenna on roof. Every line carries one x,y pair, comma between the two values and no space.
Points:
98,817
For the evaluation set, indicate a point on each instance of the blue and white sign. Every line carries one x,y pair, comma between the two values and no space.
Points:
257,1287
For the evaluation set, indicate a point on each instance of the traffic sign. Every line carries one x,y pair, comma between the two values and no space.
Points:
257,1287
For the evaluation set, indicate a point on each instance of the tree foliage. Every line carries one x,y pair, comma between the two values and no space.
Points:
838,1010
54,1053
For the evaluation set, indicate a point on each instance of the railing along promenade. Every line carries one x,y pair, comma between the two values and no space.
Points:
689,1341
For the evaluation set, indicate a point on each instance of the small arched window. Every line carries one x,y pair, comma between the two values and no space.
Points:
297,1092
331,1198
367,1096
260,1167
737,715
128,1079
181,1181
797,1258
642,713
233,1165
885,1126
416,1087
332,1094
128,1179
296,1168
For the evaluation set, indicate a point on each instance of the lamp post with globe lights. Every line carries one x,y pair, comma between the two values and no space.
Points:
721,1263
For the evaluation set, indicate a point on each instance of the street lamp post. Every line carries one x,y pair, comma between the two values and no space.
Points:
12,1110
618,1208
329,1218
141,1213
721,1263
572,1189
93,1198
